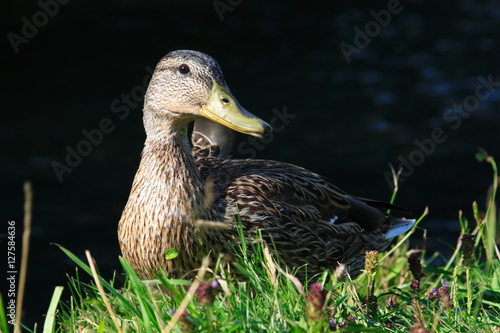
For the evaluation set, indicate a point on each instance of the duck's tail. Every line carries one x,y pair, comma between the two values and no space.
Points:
398,227
381,238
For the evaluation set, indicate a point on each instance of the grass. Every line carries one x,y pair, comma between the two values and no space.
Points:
401,290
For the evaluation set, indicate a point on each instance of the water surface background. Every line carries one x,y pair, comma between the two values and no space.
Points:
351,118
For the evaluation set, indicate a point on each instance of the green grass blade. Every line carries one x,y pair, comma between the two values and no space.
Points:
256,295
3,316
48,326
106,284
141,295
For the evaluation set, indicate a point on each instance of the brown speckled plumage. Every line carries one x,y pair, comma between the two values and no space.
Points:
176,186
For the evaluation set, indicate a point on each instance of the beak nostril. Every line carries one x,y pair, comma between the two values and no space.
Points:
224,100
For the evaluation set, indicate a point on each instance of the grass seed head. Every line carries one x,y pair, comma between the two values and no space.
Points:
371,262
340,273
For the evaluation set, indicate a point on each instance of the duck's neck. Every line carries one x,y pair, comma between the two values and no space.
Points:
165,201
169,178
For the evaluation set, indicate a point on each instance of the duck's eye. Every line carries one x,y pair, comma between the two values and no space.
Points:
184,69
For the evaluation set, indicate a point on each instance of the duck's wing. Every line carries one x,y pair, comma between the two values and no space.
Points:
211,139
383,205
281,190
309,220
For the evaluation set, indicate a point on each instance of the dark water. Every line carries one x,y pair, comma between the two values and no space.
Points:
347,120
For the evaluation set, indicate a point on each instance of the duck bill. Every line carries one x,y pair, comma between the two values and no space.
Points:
224,109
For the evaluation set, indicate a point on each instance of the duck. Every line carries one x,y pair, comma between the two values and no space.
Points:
310,224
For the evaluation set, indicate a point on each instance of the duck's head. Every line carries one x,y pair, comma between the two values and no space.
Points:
188,84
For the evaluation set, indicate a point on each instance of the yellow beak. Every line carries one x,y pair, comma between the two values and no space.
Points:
224,109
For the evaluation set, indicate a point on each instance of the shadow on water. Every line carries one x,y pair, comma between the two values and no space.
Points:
90,62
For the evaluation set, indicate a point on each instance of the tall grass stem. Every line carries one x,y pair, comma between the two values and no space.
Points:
28,206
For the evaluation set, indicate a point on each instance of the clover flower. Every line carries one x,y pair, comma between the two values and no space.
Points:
205,292
467,250
184,323
415,266
442,295
315,301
